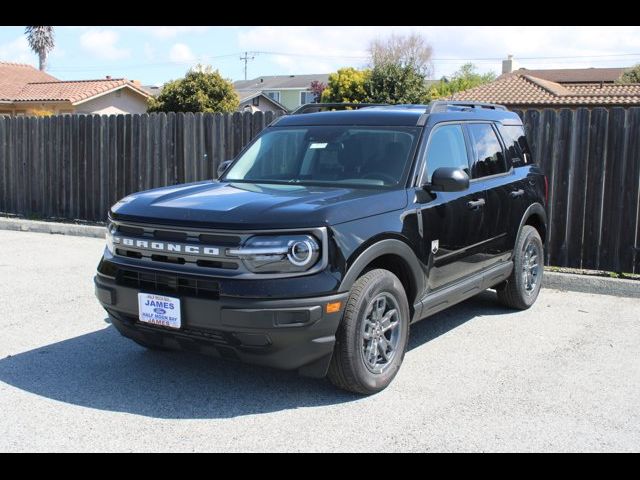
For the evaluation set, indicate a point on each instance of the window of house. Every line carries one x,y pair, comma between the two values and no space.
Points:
488,157
256,101
307,97
274,95
446,149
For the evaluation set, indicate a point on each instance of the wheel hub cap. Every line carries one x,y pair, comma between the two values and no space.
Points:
530,267
381,332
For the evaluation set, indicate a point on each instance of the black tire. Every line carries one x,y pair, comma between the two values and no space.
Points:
515,293
348,369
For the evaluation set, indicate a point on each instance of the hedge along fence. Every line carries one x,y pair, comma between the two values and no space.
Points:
76,167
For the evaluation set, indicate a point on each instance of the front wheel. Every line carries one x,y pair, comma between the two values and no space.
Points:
372,338
523,286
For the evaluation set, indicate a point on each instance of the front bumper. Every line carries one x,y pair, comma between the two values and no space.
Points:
290,334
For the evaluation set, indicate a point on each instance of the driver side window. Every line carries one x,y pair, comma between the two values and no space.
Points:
446,149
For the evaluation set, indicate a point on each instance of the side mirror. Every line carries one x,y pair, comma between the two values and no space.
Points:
449,179
223,167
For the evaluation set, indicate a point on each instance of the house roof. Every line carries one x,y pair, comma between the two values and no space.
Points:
573,75
274,82
14,76
246,95
518,89
73,91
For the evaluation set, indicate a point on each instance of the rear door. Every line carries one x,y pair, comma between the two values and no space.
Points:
491,172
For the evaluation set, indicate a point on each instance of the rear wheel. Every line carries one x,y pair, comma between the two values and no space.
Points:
372,338
523,286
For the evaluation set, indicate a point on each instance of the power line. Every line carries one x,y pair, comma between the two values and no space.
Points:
542,59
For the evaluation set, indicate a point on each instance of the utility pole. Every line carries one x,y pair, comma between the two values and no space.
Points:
246,58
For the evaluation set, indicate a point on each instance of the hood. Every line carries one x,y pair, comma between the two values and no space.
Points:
214,204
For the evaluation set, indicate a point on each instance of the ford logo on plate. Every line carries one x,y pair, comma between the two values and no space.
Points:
160,311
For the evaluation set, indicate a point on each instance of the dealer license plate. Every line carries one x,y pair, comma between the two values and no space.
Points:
159,310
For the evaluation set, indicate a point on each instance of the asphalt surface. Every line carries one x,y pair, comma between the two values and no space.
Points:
562,376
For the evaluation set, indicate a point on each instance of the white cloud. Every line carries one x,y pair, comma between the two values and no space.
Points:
328,48
16,51
181,53
103,44
171,32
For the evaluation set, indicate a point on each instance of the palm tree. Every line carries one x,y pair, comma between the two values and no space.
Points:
41,42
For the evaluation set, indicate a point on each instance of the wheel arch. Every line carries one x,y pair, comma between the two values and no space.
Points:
393,255
536,216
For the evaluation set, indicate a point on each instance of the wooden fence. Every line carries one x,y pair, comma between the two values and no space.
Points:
592,160
76,167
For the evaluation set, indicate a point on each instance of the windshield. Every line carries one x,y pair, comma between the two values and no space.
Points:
350,155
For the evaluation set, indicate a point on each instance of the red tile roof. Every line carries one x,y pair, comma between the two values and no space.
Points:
14,76
23,83
518,89
72,91
575,75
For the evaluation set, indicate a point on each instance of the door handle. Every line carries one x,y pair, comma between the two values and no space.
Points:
476,204
516,193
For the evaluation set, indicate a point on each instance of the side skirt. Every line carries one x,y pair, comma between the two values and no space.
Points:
456,293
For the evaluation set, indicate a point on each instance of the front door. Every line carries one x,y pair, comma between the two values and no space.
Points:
453,223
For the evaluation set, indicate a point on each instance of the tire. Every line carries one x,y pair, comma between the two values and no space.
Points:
360,328
521,290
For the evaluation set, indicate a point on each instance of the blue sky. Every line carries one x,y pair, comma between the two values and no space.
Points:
154,55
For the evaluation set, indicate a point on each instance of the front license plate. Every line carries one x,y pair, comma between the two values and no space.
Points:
159,310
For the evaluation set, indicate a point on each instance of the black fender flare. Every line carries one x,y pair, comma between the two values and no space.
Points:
534,209
389,246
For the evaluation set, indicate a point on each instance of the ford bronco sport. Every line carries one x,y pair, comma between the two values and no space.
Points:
328,236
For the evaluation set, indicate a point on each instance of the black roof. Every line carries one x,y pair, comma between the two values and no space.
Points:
398,115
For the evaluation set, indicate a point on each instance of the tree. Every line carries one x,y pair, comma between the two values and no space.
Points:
412,50
346,85
631,76
317,87
41,42
201,90
463,79
394,83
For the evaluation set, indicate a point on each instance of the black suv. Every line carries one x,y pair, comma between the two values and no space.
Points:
328,235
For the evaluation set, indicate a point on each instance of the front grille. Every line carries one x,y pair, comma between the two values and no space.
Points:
142,238
168,284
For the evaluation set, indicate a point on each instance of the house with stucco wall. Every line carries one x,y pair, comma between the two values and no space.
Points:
24,90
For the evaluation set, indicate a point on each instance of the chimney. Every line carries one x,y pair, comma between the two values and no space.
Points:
508,65
108,77
136,82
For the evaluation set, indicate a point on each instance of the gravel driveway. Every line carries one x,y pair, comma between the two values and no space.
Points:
562,376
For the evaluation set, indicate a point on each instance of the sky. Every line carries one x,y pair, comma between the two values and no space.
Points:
155,55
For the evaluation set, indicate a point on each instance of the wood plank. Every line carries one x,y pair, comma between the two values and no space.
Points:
578,179
4,163
596,166
207,137
113,163
104,151
236,126
562,166
546,161
612,199
179,148
80,180
629,239
172,167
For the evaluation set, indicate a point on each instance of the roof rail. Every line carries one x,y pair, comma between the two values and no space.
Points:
316,107
444,105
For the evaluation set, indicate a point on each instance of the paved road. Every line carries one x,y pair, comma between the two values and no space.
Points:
564,375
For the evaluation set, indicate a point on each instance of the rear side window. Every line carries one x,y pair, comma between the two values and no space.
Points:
446,149
518,152
488,157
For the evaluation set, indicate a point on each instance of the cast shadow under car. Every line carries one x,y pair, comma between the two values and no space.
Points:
102,370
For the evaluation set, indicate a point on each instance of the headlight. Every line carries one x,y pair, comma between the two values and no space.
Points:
111,229
279,254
